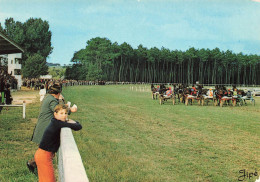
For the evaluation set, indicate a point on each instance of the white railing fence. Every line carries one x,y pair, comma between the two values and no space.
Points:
16,105
70,164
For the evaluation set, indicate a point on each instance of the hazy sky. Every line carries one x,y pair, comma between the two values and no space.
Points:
173,24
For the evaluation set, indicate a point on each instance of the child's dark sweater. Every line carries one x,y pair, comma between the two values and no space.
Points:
51,137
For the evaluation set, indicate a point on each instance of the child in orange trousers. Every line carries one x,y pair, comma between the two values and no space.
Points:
45,168
50,143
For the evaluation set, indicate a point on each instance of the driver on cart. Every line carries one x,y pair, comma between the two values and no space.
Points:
210,93
248,95
168,92
229,94
193,90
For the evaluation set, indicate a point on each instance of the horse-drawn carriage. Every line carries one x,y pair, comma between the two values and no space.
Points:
220,96
244,96
187,95
192,94
163,98
207,96
166,94
249,96
229,97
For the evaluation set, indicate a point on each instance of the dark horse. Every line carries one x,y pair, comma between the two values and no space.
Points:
182,91
219,93
162,89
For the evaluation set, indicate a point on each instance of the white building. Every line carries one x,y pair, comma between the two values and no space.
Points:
11,56
14,67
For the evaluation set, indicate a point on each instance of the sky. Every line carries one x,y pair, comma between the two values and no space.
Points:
174,24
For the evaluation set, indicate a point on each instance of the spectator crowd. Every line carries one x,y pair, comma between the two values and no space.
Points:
7,83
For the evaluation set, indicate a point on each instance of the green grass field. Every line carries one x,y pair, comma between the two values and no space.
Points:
127,136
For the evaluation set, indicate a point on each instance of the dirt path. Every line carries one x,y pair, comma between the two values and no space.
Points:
29,96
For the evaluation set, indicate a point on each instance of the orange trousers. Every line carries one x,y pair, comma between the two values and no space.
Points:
44,164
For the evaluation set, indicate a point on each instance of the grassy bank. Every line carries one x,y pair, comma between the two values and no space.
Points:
15,145
127,136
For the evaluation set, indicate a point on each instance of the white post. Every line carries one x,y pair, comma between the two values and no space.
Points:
24,108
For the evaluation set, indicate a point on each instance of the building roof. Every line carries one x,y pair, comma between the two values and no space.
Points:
8,46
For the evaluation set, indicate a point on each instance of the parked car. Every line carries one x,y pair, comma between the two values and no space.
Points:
256,92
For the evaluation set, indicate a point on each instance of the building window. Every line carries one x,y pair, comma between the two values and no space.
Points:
12,61
17,72
18,61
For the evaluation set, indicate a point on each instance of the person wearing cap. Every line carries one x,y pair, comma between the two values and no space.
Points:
169,92
210,93
229,93
235,92
194,90
158,88
50,101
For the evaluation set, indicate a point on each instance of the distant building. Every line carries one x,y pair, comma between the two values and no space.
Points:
46,77
14,65
10,57
53,64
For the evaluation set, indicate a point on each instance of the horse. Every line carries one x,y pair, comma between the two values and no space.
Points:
155,91
219,94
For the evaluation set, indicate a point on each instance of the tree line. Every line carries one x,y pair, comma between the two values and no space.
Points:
34,36
103,60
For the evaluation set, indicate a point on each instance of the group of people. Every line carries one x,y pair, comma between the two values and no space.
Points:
7,82
36,83
52,117
198,90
